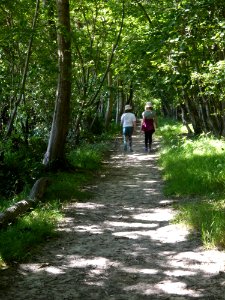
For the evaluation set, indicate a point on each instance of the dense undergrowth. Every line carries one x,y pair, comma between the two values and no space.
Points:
193,169
18,241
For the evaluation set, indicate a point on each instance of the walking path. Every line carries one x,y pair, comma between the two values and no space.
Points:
120,245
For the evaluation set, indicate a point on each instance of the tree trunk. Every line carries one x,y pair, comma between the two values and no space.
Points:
184,119
108,114
25,71
194,115
55,154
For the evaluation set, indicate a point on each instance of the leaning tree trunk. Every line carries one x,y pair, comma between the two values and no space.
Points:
56,145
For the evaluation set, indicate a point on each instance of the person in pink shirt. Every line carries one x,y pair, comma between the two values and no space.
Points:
148,125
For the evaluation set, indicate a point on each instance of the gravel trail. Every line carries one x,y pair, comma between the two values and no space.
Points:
120,245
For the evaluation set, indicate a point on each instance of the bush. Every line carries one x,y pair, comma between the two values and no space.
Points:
20,165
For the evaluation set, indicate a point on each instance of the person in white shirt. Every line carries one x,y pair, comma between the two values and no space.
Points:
128,121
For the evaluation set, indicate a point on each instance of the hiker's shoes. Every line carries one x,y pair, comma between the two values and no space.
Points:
148,150
125,148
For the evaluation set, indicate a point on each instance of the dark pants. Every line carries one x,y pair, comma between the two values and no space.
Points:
148,138
127,135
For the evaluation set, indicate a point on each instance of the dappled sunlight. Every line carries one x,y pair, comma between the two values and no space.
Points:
89,205
136,270
130,185
166,234
129,225
91,229
179,272
178,288
137,246
154,215
136,155
133,234
118,237
149,182
166,287
121,244
162,235
38,268
208,262
67,225
54,270
102,263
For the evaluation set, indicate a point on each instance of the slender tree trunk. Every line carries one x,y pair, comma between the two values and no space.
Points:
120,102
108,114
23,82
184,119
56,146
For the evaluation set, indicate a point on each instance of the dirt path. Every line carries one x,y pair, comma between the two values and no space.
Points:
120,245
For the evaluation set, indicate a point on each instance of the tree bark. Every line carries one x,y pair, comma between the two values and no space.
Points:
55,154
108,114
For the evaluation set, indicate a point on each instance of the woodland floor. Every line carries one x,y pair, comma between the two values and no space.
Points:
120,244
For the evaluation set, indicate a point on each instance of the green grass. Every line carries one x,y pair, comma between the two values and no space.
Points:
19,240
88,156
194,167
206,217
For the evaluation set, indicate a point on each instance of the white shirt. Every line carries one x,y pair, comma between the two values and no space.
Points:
128,119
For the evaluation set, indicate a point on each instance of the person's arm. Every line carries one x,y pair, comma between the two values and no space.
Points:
142,121
134,125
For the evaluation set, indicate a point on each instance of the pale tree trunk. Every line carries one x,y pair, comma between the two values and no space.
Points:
120,101
108,114
55,153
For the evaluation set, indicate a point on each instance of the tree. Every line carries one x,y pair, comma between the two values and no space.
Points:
55,154
25,71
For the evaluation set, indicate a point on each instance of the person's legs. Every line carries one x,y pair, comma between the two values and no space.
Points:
130,132
150,138
130,142
147,140
127,136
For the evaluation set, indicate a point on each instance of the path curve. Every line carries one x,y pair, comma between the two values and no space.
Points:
120,245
